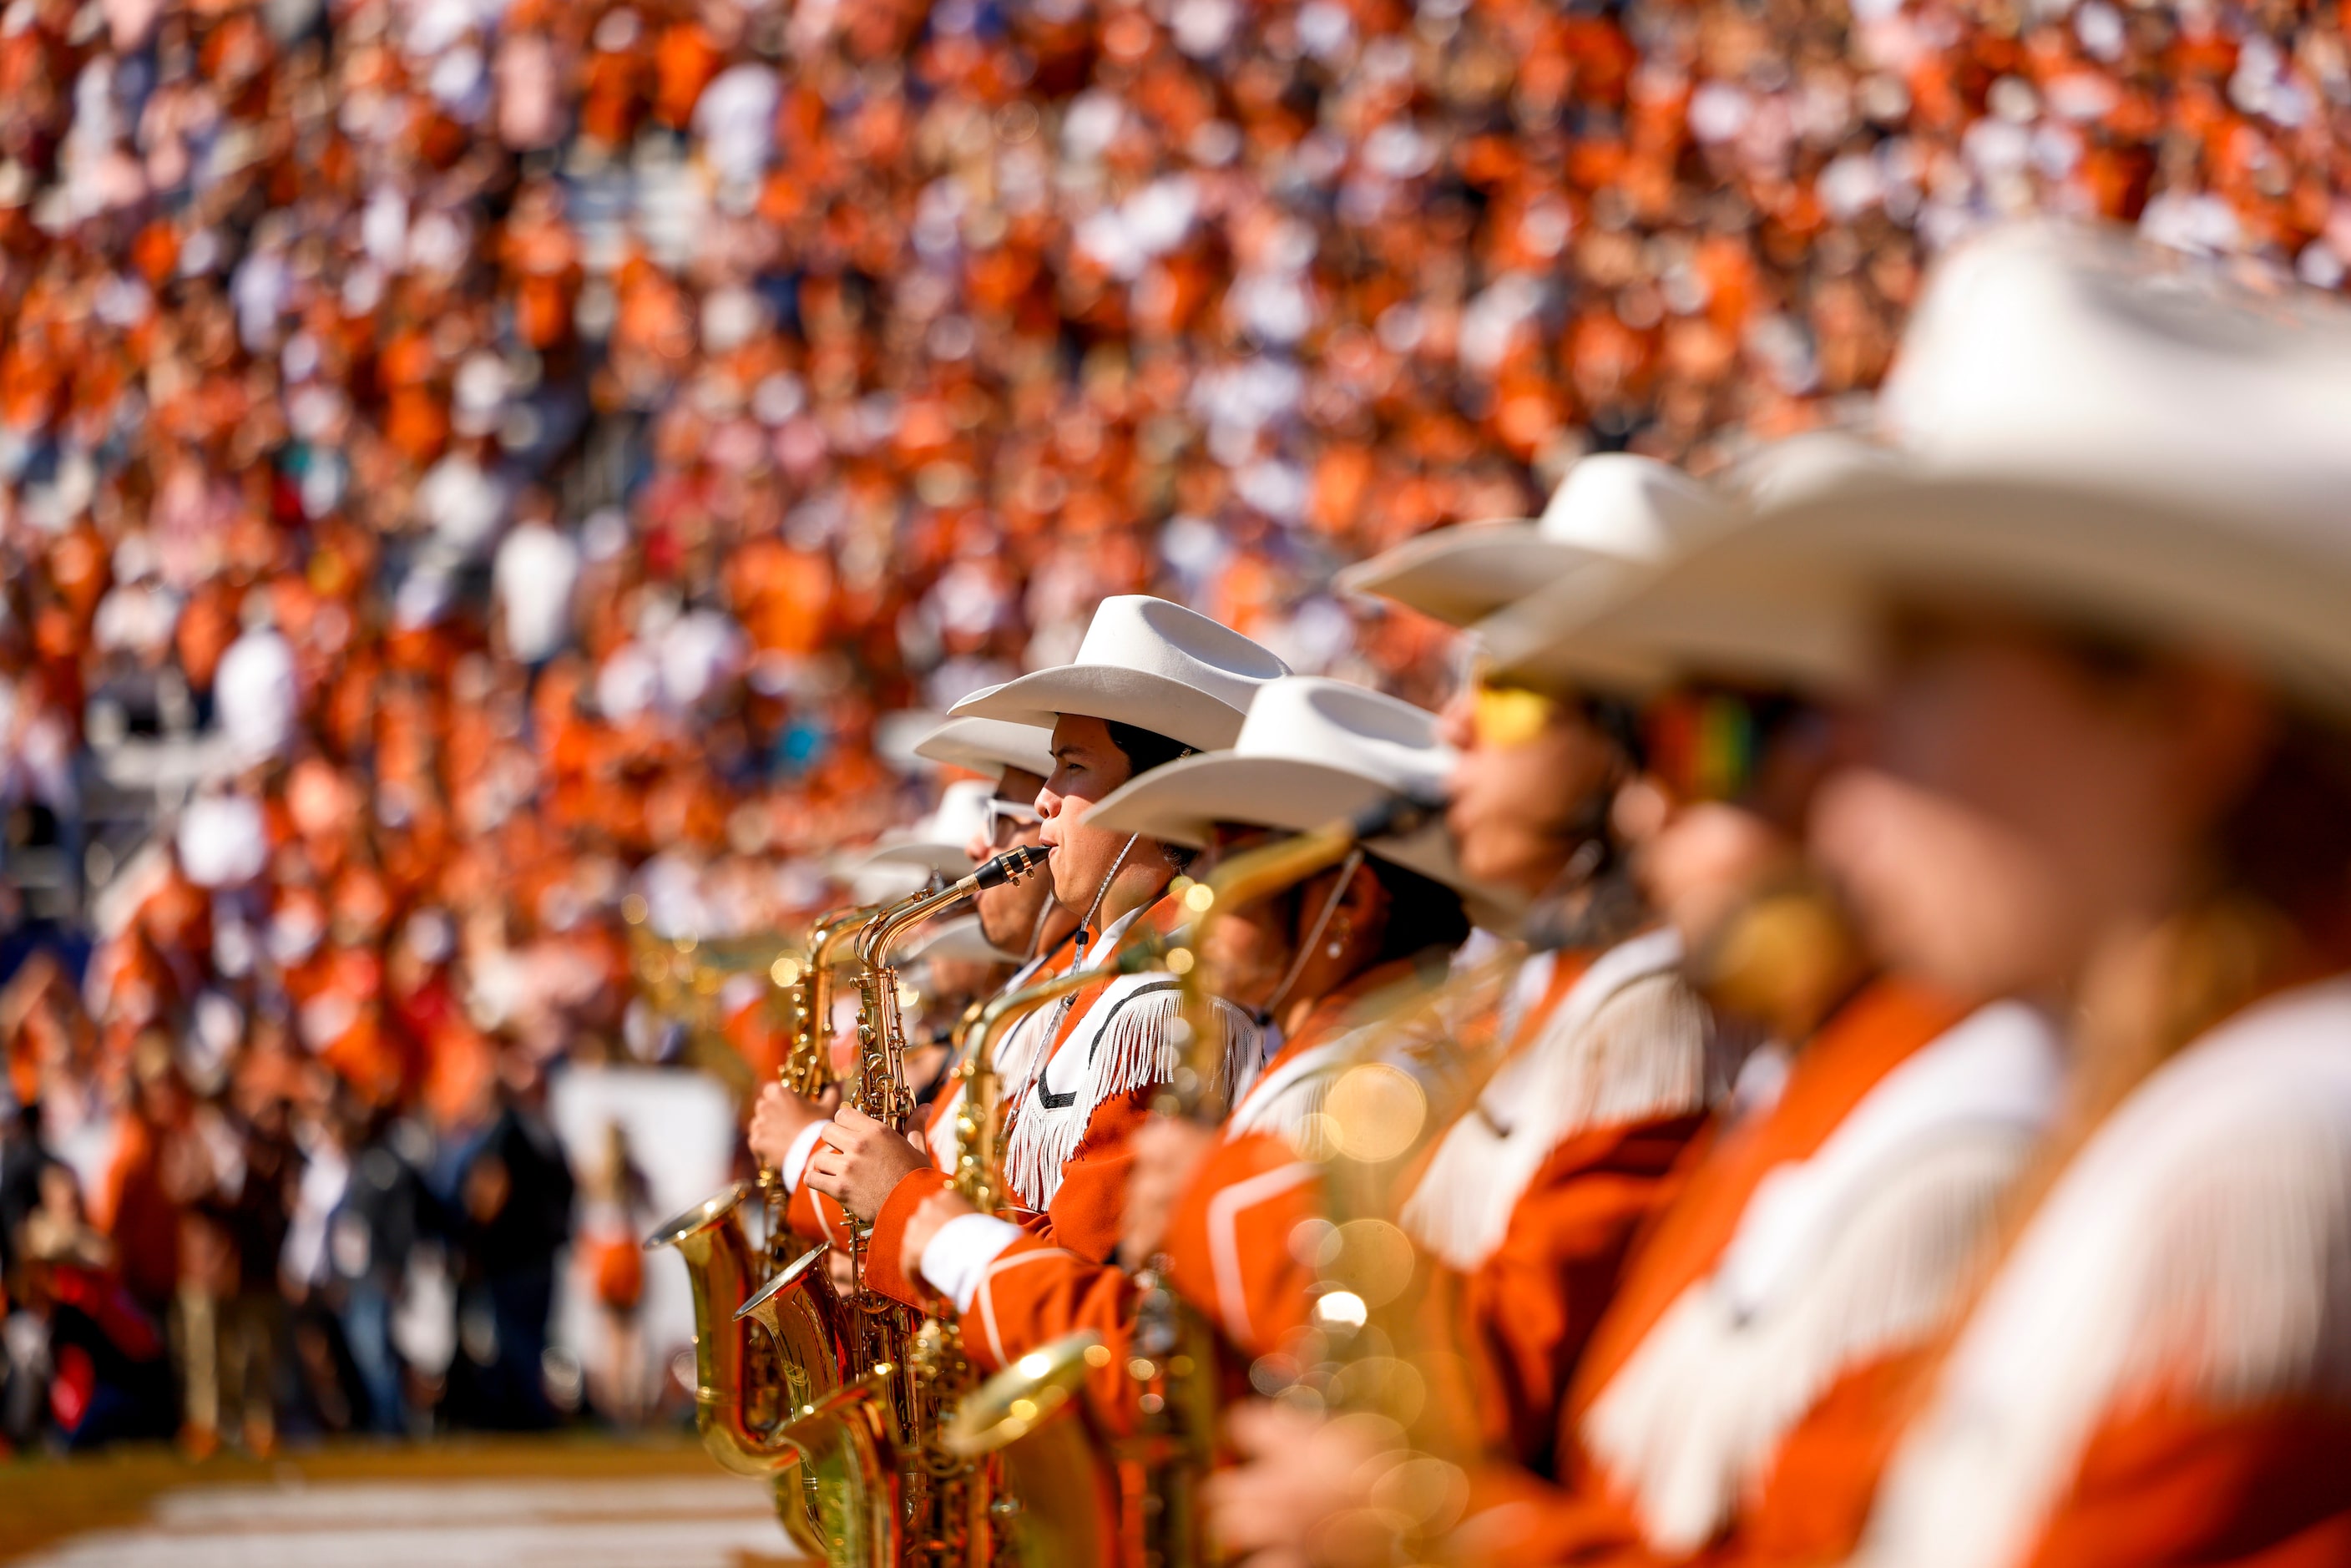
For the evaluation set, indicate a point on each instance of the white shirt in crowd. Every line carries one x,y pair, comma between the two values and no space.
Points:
536,569
254,694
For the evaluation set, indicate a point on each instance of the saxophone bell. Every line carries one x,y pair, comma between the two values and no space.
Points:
1024,1396
807,1324
737,1409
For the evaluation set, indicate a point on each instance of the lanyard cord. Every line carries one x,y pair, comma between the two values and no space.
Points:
1347,869
1085,926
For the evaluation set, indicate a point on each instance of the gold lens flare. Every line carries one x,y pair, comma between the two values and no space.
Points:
1374,1261
1383,1382
1428,1491
1341,1309
1376,1112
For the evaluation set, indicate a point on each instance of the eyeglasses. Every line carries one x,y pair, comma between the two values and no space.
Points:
1506,716
1008,819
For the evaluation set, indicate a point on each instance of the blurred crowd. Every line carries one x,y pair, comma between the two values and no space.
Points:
466,465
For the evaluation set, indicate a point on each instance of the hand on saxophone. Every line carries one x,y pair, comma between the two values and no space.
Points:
859,1159
1167,1150
1308,1491
780,1118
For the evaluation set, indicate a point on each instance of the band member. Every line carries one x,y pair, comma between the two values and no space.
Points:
2143,828
1697,1373
1020,917
1152,681
2105,586
1735,1318
1610,1061
1322,962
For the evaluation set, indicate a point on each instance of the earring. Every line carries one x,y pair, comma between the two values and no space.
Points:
1338,943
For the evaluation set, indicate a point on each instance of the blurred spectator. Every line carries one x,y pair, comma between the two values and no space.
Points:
96,1349
615,1214
514,1200
371,1238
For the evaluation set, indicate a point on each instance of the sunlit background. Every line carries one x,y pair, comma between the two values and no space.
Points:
466,466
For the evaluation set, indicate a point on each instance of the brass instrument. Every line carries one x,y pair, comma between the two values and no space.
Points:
1032,1505
682,975
1045,1509
1782,957
1173,1357
1381,1343
806,1067
858,1400
1174,1348
743,1390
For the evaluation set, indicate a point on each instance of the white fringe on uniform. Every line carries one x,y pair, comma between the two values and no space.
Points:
1009,1057
2196,1248
1629,1041
1837,1260
1126,1040
1284,1096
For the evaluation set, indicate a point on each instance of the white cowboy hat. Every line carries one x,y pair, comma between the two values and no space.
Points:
2079,423
1562,634
936,842
1313,750
989,745
1147,663
1612,506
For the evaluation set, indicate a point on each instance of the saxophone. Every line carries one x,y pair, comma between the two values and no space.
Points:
863,1393
1039,1504
1174,1361
1386,1344
743,1390
806,1067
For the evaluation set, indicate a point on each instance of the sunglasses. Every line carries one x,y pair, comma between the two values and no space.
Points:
1504,716
1007,819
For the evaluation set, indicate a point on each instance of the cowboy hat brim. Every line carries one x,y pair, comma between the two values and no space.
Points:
1180,802
988,745
1157,703
947,860
1799,595
1462,575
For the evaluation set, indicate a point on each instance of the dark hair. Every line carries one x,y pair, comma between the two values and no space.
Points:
1620,722
1146,750
1423,912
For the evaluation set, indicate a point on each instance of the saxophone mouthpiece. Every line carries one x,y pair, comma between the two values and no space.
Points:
1012,865
1395,816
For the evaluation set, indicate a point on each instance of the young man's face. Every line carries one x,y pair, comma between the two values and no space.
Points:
1087,766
